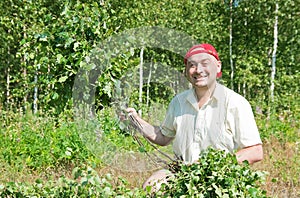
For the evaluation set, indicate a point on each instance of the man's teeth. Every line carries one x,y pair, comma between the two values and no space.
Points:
196,77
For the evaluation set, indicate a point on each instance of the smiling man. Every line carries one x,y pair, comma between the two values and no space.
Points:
207,115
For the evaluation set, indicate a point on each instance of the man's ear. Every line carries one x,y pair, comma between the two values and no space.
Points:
185,71
219,66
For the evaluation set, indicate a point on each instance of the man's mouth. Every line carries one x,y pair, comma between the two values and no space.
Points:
200,77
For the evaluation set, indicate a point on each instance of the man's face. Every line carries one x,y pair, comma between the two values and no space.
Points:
202,69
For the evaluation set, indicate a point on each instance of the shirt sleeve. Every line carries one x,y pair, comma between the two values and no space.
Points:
167,128
245,129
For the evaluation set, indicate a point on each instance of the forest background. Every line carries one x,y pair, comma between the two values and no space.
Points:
44,44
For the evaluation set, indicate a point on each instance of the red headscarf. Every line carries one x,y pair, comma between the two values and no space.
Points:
202,48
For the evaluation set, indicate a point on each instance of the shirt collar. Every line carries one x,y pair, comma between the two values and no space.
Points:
192,99
218,94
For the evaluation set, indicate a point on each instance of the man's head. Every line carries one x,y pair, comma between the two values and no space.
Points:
203,65
202,48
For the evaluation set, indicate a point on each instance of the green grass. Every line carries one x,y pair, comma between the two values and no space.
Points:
43,149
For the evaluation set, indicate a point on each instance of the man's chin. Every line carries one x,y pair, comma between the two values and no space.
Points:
200,84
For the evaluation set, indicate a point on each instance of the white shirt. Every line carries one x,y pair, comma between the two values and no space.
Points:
225,122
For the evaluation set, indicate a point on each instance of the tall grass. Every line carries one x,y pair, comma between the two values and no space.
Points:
42,147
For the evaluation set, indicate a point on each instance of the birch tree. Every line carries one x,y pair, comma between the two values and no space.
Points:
141,84
274,52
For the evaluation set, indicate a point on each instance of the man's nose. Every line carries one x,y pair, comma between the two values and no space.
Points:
199,68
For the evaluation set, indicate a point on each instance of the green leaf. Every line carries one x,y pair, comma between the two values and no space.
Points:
62,79
142,149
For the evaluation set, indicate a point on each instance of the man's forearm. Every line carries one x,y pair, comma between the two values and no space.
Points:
153,133
252,154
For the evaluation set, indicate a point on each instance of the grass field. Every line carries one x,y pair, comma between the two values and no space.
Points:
281,161
40,149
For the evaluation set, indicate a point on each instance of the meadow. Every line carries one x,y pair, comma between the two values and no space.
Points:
55,54
39,153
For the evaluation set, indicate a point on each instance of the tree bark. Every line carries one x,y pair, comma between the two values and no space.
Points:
230,46
148,83
274,54
8,88
141,79
35,93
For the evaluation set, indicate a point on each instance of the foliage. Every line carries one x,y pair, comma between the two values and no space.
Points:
117,132
215,174
85,183
55,39
38,143
44,44
285,128
283,120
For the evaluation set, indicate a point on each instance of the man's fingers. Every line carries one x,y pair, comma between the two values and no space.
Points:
131,111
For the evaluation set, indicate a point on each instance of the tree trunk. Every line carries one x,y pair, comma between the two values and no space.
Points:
35,93
273,72
274,54
244,88
148,84
25,96
230,46
141,79
8,88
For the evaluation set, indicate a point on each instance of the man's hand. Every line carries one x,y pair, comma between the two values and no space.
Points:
135,119
152,133
132,111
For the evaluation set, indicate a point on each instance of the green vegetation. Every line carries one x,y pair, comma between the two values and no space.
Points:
46,45
40,146
85,183
43,157
216,174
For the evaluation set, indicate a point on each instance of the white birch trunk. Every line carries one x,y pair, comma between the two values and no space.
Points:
244,88
35,93
25,78
141,78
8,87
25,87
230,46
148,83
274,54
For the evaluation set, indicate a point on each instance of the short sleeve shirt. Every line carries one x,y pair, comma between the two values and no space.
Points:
225,122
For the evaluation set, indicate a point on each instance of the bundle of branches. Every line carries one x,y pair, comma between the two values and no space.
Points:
164,159
216,174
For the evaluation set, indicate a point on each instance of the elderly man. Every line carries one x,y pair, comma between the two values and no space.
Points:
207,115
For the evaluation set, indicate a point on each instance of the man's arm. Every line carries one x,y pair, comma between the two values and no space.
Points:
152,133
252,154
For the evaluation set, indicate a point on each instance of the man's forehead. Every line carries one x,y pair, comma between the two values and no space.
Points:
198,48
200,57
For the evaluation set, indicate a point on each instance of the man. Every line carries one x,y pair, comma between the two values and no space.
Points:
208,115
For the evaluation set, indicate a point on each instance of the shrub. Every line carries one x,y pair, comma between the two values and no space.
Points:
85,183
215,174
40,142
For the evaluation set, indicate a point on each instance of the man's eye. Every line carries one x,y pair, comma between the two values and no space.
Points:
205,64
192,65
